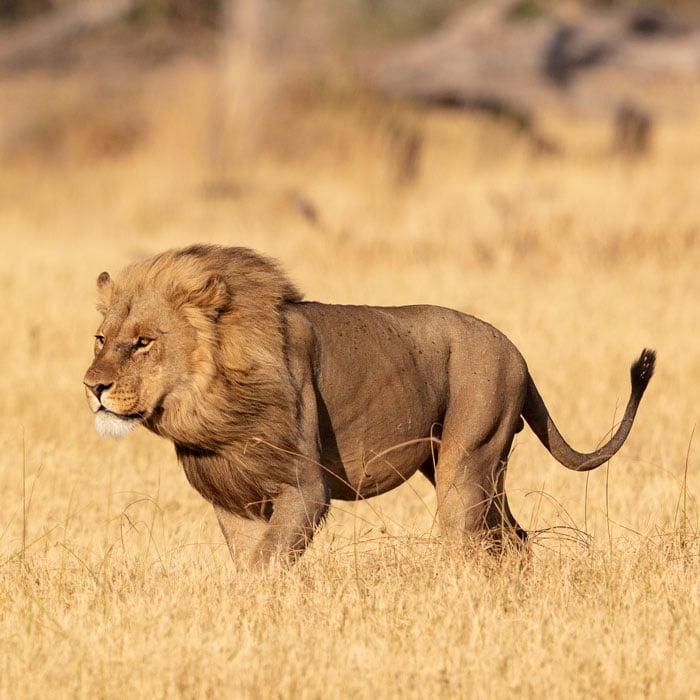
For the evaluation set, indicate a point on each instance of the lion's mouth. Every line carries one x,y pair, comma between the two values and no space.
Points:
123,416
110,424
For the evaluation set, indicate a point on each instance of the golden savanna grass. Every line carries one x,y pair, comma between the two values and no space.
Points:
114,578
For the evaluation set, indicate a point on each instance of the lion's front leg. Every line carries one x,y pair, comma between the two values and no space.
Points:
297,512
242,535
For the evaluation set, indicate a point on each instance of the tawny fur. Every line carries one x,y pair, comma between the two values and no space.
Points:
275,405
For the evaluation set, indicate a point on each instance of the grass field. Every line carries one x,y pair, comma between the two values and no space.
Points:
114,578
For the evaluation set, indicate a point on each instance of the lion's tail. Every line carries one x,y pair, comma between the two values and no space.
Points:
538,418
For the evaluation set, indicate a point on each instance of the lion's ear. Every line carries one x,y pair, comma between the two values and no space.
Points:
105,288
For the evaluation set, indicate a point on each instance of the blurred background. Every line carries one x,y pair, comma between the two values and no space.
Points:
357,121
91,79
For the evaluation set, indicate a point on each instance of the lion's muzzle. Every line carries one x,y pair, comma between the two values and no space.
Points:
108,421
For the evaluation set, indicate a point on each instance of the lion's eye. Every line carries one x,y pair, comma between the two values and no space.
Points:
99,341
143,342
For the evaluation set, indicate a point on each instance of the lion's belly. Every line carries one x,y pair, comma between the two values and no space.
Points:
363,475
375,445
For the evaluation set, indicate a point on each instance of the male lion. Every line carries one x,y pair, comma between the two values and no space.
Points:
277,405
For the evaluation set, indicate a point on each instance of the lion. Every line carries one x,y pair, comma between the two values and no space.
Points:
277,405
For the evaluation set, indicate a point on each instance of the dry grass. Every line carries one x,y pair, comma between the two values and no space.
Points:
114,580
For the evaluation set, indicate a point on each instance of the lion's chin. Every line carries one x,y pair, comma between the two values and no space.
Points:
108,424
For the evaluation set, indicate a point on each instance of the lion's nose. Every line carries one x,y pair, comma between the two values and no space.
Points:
97,389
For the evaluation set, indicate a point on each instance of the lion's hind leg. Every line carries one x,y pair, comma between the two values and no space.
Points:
502,527
470,479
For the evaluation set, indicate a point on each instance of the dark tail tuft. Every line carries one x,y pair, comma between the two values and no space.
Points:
642,371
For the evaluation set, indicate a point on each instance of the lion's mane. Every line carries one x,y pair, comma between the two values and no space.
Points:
233,431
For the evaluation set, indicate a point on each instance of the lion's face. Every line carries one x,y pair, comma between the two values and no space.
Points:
185,334
143,358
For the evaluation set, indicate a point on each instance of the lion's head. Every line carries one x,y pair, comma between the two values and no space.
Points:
174,327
